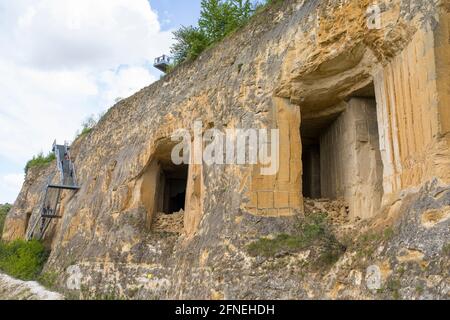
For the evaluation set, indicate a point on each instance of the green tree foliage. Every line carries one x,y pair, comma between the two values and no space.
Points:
218,18
189,43
4,209
22,259
40,161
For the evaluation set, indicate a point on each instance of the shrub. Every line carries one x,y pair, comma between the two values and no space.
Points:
90,122
22,259
4,209
87,126
40,161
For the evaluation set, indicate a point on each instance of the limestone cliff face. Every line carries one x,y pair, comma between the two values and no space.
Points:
296,67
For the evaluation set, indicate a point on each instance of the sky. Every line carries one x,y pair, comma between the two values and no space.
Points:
64,60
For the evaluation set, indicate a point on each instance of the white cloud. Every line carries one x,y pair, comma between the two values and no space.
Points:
124,82
63,60
97,34
9,184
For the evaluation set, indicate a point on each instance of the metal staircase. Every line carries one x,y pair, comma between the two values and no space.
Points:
50,207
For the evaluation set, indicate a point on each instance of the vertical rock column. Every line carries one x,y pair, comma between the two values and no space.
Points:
351,165
412,95
281,194
194,199
149,185
442,59
442,49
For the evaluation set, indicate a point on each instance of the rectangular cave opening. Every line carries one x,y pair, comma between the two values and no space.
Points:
311,132
342,154
173,186
170,198
163,191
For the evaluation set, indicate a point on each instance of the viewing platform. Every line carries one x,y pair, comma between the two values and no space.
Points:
163,63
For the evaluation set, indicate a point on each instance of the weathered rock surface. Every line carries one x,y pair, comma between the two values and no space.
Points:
294,65
12,289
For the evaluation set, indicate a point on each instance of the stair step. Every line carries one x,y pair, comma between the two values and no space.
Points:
54,186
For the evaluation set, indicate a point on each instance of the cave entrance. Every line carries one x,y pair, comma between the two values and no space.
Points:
172,191
341,154
164,190
311,131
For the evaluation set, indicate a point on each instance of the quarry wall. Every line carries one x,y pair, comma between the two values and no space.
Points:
299,67
350,159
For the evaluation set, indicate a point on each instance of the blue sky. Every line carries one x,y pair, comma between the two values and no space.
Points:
64,60
173,13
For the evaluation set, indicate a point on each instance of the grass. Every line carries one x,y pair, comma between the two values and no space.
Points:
48,279
23,260
40,161
85,131
4,209
89,124
311,231
367,244
393,286
283,243
446,249
420,289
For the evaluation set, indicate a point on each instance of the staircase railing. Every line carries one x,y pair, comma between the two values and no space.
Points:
50,205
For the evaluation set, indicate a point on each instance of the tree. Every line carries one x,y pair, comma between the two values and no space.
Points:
244,10
189,43
218,18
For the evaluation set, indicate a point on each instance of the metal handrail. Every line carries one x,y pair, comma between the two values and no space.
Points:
44,218
163,59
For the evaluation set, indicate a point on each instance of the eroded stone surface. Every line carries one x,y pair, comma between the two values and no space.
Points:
297,63
12,289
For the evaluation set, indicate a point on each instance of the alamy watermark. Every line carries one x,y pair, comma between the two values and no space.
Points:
262,146
231,147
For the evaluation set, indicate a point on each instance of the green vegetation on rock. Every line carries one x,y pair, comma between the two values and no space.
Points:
90,123
40,161
4,209
22,259
48,280
87,126
190,42
311,231
446,249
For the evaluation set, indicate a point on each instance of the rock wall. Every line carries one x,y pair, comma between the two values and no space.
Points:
291,66
28,203
12,289
351,161
414,140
